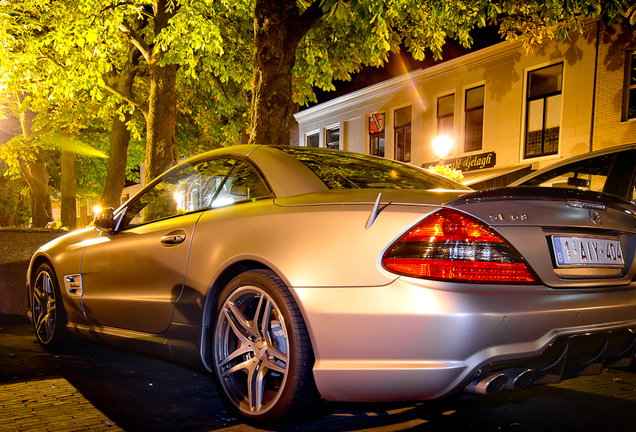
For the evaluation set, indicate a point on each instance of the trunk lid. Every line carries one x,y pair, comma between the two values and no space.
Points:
569,238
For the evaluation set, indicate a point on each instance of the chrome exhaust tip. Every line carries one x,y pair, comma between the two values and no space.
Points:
518,378
487,384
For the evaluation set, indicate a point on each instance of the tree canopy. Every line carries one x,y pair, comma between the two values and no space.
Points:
340,37
188,75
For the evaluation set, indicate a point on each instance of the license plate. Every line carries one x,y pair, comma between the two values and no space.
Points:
587,251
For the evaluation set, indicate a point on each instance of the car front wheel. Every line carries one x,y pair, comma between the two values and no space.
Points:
262,353
49,317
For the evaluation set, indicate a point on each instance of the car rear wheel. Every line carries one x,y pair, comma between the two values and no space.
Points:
263,357
49,317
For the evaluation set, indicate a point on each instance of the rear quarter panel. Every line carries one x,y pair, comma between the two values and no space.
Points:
317,246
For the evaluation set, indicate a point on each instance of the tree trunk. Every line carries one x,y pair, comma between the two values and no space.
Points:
161,145
69,184
278,29
120,136
36,177
116,167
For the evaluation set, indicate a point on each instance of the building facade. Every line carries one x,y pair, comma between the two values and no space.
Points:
505,110
615,100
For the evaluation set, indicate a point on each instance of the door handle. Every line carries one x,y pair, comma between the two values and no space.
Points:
173,239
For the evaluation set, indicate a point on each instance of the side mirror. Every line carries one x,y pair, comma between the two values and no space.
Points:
104,221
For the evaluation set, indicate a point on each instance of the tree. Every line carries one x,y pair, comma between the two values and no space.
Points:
36,88
190,66
17,89
90,52
279,26
178,41
14,208
300,44
122,81
68,188
161,114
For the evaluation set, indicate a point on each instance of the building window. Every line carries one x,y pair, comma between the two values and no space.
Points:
446,115
474,119
376,134
332,138
402,130
446,118
630,88
543,111
313,140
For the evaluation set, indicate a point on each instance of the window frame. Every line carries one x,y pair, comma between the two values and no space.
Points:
469,111
123,215
441,118
377,140
308,135
406,131
528,99
328,131
629,85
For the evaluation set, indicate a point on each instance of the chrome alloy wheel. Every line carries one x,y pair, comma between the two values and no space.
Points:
251,350
44,307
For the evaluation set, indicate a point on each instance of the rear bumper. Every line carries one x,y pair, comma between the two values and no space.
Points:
417,340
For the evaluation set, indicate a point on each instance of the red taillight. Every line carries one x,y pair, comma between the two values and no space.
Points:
449,245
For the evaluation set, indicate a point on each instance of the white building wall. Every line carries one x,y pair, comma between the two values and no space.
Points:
503,69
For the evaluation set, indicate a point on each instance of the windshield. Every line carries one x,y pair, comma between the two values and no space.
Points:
344,170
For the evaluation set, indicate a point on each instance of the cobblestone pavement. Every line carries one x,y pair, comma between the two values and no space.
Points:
94,387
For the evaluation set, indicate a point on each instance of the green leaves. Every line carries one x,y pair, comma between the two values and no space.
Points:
67,54
361,33
341,11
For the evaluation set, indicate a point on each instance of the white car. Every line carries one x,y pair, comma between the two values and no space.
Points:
298,275
611,170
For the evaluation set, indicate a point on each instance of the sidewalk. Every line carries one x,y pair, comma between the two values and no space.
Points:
33,397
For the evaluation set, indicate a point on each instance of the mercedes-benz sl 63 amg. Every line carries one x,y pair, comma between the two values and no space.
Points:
297,276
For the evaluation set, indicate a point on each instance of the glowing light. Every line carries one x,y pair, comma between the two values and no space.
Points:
180,200
221,202
96,209
402,67
87,150
442,146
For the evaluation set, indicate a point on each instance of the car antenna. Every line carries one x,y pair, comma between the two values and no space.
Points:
375,212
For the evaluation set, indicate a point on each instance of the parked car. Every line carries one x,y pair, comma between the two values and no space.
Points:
298,275
610,170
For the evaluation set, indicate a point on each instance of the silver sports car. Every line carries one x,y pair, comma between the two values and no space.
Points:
298,275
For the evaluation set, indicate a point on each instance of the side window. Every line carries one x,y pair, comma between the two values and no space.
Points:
589,174
208,184
243,184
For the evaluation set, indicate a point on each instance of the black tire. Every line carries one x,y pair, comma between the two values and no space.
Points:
262,353
49,317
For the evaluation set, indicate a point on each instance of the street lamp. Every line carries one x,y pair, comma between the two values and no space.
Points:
442,145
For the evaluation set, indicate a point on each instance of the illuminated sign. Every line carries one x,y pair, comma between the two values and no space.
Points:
473,162
470,163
